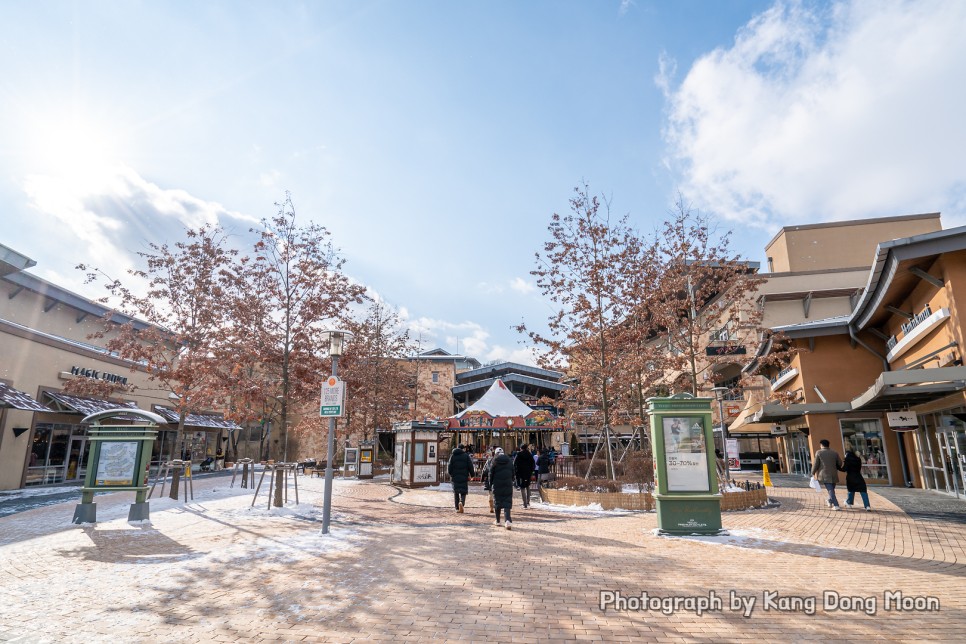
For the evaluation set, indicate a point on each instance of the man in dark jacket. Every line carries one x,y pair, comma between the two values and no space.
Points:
523,469
543,466
501,478
825,468
460,470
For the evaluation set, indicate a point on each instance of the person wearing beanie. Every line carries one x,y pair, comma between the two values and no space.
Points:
501,478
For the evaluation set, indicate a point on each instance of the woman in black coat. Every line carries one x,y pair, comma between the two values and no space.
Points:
501,478
852,466
460,470
523,467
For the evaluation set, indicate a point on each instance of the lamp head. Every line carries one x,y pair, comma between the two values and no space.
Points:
337,339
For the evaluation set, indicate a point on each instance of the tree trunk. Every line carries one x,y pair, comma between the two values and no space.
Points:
176,455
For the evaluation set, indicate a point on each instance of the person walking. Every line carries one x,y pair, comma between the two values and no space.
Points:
543,465
501,479
485,477
854,482
826,469
523,469
460,470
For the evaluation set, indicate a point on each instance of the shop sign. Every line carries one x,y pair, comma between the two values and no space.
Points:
903,421
98,375
725,350
779,430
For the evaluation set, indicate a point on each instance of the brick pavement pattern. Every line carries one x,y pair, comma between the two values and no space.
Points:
401,565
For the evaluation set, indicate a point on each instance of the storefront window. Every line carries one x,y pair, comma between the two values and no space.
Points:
865,438
48,453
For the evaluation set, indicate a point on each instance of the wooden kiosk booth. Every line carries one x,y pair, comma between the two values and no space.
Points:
416,459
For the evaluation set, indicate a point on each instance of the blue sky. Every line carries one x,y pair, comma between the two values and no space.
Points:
435,139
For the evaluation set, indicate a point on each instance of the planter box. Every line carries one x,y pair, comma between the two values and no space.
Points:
744,500
625,501
607,500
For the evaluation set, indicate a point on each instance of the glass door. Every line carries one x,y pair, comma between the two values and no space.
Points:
931,457
76,458
953,446
798,459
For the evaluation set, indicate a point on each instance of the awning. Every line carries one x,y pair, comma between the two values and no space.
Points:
910,387
10,397
211,421
66,403
775,413
752,428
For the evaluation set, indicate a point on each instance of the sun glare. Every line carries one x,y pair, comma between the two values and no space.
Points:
72,148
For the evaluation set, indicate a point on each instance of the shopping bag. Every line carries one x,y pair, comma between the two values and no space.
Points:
815,485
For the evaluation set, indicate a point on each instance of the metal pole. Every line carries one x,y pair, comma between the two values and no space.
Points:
724,440
330,456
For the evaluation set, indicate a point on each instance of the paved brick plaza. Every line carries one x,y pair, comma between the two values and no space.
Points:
401,565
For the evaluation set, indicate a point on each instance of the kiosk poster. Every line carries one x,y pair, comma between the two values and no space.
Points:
116,464
685,454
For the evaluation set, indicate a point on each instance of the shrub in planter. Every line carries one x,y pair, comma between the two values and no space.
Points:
639,470
579,484
599,469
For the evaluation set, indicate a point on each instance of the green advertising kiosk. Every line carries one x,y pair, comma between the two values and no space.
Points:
685,468
117,460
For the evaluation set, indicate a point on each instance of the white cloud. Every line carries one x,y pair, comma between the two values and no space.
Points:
489,288
110,215
521,285
854,111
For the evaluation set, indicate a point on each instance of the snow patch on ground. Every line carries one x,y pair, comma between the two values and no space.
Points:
594,509
442,487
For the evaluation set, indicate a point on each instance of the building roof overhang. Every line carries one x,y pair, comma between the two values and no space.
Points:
70,404
910,387
891,277
509,367
10,397
13,262
210,421
510,377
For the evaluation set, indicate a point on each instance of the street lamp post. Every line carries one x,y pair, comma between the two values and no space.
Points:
336,345
719,394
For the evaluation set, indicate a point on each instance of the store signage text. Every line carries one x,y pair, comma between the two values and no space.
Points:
98,375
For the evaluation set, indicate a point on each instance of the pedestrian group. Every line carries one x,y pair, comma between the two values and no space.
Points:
826,468
500,474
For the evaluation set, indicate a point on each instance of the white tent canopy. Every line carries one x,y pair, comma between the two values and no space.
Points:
498,402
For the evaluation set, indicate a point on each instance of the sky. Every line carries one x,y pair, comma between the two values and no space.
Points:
435,139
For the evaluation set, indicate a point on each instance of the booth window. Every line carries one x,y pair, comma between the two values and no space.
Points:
420,453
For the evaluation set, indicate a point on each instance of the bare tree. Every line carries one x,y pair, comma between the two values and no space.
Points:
295,287
185,307
587,270
709,312
376,370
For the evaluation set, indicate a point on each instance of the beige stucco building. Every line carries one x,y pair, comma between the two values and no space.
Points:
871,308
44,342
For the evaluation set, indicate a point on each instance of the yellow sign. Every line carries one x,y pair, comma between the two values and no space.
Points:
764,475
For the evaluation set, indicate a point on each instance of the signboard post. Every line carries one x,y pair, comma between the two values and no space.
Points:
118,460
687,495
333,398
